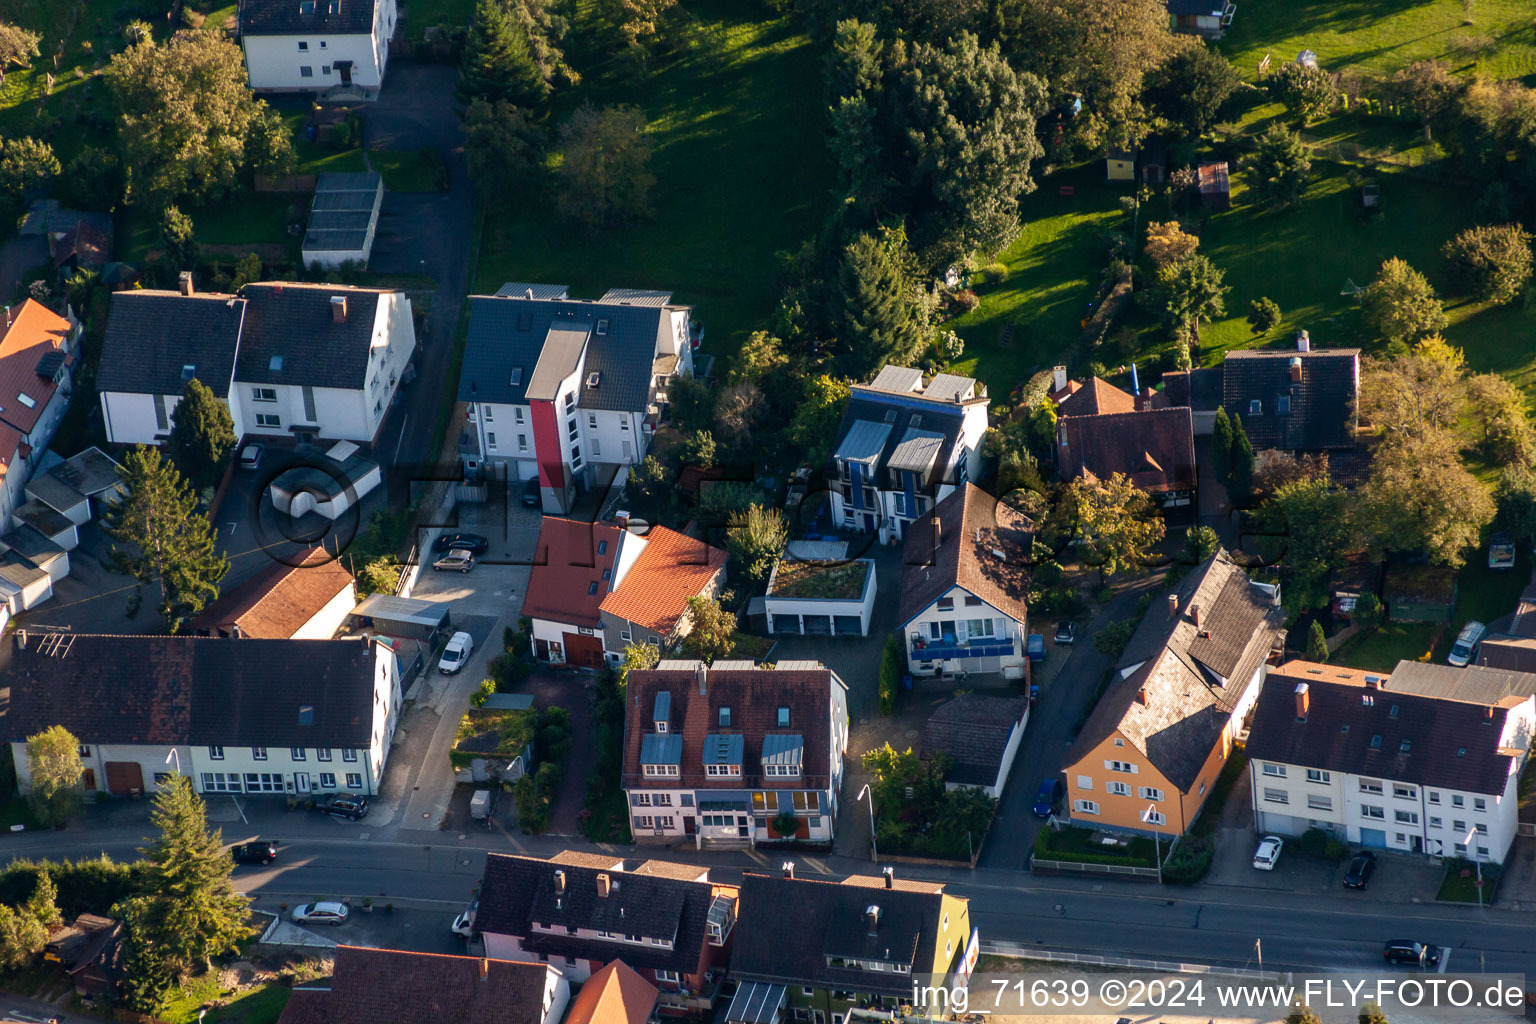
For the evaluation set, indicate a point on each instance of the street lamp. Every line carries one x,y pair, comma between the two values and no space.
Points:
874,851
174,755
1471,842
1149,817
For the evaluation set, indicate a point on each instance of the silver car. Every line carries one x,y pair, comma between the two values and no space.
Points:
457,560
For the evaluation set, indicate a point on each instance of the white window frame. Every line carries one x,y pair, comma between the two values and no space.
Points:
1085,807
354,780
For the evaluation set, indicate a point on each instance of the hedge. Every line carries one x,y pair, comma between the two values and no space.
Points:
84,887
1043,851
893,665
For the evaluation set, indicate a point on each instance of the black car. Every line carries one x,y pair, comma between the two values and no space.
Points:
1407,951
531,496
259,851
1361,868
1066,633
471,542
353,807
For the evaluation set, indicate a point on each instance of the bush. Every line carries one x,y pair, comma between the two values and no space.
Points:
996,273
482,693
1313,842
1111,640
1189,861
1336,850
1043,851
966,300
507,670
84,887
893,665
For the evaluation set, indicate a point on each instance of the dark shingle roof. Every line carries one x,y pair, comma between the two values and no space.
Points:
293,17
178,689
972,525
369,986
1153,448
973,730
1199,389
867,413
152,335
294,322
1321,406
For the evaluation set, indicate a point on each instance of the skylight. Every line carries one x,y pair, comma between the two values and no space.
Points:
275,363
27,400
517,376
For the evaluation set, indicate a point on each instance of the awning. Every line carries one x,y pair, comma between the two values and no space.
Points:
757,1002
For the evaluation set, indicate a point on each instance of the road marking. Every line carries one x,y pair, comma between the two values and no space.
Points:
403,421
1445,959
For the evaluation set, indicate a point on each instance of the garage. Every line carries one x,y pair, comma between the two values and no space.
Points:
848,625
584,651
124,778
817,625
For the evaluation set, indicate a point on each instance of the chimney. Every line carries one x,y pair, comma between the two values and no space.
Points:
701,675
184,282
1295,369
1173,606
7,316
890,877
1372,682
559,880
21,638
338,309
872,918
1141,696
1303,342
1058,378
603,884
1488,713
485,968
938,533
1194,614
1302,701
530,293
788,867
621,517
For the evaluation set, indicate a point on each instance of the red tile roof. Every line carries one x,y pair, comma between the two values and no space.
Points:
1094,397
654,592
568,581
279,599
973,525
614,995
1154,448
34,332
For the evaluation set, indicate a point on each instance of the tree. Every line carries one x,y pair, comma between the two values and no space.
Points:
269,143
605,176
817,415
638,657
1111,640
640,21
247,270
1317,642
1221,444
179,237
1263,315
1370,1013
53,758
759,358
1301,1013
710,629
1308,92
1193,291
1114,523
93,179
756,538
17,47
1279,167
502,146
1167,242
1498,411
1200,543
159,536
1240,476
380,575
878,307
22,937
44,905
202,435
184,113
700,449
1428,88
1492,262
1421,390
737,411
1401,305
1419,495
1188,88
1516,498
1313,519
27,165
498,61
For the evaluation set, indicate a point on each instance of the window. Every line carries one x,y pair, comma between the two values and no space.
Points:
85,750
490,440
575,457
303,46
661,770
1276,770
807,801
322,42
325,69
517,414
1461,849
1276,796
259,753
783,718
161,420
1405,792
1283,405
263,782
1255,407
354,780
730,771
665,977
1434,796
592,420
571,431
264,394
1458,801
725,716
1319,803
1150,793
522,442
1406,817
1459,826
305,71
1482,829
349,755
1435,823
1370,786
218,782
1121,766
642,799
215,753
268,420
1379,813
1156,818
1085,782
602,328
297,753
1315,775
1482,851
327,780
644,821
978,627
323,753
1118,788
946,604
1479,804
597,448
663,799
1085,807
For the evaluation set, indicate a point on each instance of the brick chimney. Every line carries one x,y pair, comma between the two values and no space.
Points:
559,880
1195,615
1141,695
1295,369
485,968
788,867
621,518
184,282
604,883
1173,606
338,309
1302,701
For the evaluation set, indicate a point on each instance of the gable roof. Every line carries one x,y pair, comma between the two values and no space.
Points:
1380,731
754,694
372,985
1320,411
295,17
518,892
153,335
614,995
279,599
291,337
973,730
1153,448
972,525
1094,398
572,571
1200,389
32,360
164,690
1191,676
671,568
88,246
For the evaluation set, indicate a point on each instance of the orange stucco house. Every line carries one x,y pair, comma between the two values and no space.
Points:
1153,747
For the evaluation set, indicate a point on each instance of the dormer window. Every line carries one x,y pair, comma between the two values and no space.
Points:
602,327
1255,408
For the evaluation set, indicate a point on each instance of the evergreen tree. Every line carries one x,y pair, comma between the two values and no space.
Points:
202,435
1194,290
44,902
1241,474
1200,543
178,235
1221,444
878,308
1280,166
1263,315
159,536
1317,642
498,61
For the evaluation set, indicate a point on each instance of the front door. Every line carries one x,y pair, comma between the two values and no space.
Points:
1417,842
301,779
689,826
344,68
89,780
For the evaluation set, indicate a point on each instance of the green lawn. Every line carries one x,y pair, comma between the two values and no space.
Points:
412,171
1455,888
1082,844
416,16
255,219
741,174
16,811
1393,642
261,1004
1380,36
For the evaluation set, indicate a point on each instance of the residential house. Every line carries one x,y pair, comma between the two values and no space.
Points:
905,444
615,994
980,736
306,598
568,390
1151,750
1101,430
654,577
315,45
571,574
77,487
305,361
90,951
1208,19
37,347
371,985
273,717
964,582
1512,645
675,933
860,942
1426,759
723,753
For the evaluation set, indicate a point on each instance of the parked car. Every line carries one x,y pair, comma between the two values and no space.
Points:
250,455
1361,868
1066,633
531,496
1501,552
258,851
456,654
1407,951
1465,647
457,560
1050,793
464,924
471,542
352,807
324,912
1268,853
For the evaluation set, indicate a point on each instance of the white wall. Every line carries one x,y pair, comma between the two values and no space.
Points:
509,947
273,62
324,623
778,608
955,621
130,418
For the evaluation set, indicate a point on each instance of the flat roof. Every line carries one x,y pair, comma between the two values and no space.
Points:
402,609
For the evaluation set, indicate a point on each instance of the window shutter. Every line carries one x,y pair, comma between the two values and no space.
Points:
634,799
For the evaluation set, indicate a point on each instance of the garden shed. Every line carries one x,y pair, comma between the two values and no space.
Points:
1215,186
342,219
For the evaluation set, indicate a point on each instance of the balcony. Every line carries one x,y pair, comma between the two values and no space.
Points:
949,648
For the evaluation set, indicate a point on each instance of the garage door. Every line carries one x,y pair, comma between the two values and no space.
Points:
123,777
584,651
848,625
818,625
1373,837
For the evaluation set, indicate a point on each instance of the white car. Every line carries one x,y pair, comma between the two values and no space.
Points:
456,654
1268,853
456,560
325,912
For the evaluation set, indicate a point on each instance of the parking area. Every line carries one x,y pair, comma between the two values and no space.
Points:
417,929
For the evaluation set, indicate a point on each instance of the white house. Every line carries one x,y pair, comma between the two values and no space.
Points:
276,717
964,582
729,753
1425,760
569,390
315,45
294,360
903,447
37,347
980,735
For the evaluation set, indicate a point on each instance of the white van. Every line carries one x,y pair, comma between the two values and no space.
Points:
1465,647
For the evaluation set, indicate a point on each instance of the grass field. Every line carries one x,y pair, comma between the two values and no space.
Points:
416,16
1380,36
741,173
261,1004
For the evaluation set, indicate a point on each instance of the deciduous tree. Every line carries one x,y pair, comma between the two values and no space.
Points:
502,146
1401,305
1167,242
22,938
53,759
17,47
605,175
1422,390
269,143
27,165
1308,92
1500,415
1420,496
202,435
1200,543
710,629
817,416
1312,519
1188,88
756,538
700,449
1194,291
1492,262
1279,167
1114,523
